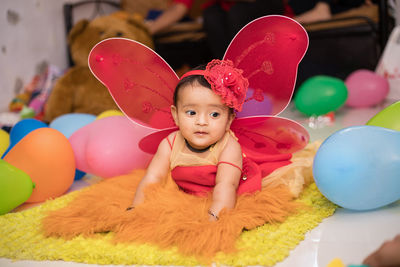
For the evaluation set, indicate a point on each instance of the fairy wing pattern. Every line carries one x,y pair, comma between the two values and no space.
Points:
140,81
268,50
265,135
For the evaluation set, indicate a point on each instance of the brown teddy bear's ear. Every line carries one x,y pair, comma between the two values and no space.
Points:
78,28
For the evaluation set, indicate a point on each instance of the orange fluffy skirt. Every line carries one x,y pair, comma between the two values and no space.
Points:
168,217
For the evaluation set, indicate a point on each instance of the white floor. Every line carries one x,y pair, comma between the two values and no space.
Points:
348,235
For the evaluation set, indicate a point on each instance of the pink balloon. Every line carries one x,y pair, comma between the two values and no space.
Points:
109,147
365,88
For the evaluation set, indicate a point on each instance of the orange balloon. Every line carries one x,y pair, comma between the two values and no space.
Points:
46,155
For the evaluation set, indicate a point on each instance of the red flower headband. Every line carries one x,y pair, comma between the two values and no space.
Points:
226,81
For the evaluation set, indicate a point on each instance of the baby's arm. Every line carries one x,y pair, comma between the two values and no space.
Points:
157,170
227,180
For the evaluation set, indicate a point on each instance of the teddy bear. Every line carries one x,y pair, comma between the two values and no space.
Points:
78,91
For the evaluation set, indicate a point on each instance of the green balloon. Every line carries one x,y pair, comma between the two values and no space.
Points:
320,95
387,118
15,187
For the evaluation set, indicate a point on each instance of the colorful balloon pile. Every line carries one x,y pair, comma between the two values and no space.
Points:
39,161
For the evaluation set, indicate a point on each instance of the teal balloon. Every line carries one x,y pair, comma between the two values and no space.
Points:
69,123
320,95
15,187
358,168
21,129
387,118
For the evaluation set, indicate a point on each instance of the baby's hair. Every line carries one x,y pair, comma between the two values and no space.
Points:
192,79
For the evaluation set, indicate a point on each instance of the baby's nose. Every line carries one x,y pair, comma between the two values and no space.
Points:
202,119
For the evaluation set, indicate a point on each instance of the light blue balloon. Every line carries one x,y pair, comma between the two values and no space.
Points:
67,124
358,167
22,128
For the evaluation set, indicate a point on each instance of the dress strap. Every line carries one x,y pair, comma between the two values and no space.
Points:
173,141
226,162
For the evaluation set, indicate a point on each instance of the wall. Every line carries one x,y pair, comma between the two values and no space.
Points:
32,32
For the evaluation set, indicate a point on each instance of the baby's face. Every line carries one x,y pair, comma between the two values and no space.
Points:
201,116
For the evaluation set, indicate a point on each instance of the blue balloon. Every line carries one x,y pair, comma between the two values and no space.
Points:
22,128
358,167
67,124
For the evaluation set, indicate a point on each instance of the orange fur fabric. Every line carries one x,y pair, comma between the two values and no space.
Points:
168,217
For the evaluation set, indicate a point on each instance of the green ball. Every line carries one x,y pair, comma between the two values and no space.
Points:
320,95
15,187
387,118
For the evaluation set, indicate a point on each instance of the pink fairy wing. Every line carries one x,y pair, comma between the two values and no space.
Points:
264,136
268,50
140,81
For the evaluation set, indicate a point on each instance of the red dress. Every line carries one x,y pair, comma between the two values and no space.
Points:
196,175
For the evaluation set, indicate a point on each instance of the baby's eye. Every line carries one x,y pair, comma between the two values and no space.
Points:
214,114
191,112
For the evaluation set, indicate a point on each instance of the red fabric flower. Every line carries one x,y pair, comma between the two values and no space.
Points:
227,82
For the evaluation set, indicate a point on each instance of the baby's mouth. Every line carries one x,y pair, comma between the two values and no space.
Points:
200,133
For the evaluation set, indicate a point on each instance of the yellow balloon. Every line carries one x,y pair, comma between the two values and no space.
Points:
109,113
336,263
4,141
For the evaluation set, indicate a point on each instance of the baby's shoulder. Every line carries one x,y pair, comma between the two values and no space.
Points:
171,137
233,142
232,148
